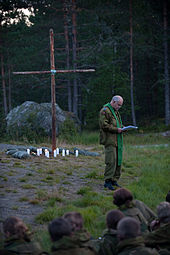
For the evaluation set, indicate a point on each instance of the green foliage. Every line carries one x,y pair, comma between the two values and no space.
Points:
93,175
27,134
153,125
2,127
101,92
48,215
83,190
85,137
43,237
153,179
68,130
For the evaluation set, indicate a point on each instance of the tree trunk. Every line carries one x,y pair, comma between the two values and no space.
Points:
80,103
67,53
114,69
4,86
75,87
9,87
166,73
131,65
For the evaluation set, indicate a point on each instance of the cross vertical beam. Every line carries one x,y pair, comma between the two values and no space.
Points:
53,96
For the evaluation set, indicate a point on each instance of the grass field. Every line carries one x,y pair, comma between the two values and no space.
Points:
145,171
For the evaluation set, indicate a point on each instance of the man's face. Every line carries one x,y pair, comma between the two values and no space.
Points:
117,104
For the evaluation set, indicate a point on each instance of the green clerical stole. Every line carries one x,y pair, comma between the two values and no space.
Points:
119,136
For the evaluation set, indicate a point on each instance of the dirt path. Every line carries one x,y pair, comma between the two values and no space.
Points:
27,184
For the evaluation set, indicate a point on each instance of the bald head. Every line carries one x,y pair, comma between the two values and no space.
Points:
116,102
117,98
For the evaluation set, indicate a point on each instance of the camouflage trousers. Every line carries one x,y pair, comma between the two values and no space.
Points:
112,170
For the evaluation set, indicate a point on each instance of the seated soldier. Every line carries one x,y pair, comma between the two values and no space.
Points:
123,198
76,221
64,243
108,242
130,239
168,197
17,238
160,238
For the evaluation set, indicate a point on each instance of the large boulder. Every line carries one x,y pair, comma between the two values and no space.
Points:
37,117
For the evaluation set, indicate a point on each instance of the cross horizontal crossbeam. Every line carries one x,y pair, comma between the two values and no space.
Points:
57,71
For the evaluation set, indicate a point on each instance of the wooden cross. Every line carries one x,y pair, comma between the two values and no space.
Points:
53,71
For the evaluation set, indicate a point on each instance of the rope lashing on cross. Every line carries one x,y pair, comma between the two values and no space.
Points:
53,71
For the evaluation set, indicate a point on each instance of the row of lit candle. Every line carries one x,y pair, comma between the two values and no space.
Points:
56,152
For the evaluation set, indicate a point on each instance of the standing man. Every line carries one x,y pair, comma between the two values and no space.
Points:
111,137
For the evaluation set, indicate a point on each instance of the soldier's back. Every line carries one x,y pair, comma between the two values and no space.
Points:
17,246
134,212
145,210
69,245
108,242
134,246
139,251
159,238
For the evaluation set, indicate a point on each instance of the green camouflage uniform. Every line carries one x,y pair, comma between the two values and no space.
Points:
134,246
13,245
164,252
108,138
108,243
83,236
72,246
145,210
131,210
160,238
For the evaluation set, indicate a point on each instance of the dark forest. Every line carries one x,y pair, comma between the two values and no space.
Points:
125,41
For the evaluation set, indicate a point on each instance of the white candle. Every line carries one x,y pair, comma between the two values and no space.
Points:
77,153
47,153
57,150
55,153
67,152
38,152
28,151
63,153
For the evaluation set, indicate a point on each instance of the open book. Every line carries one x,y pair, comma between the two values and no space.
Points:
129,127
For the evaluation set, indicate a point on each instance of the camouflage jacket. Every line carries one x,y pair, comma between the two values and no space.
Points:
70,245
108,242
145,210
108,127
82,235
134,246
20,246
164,252
160,238
132,211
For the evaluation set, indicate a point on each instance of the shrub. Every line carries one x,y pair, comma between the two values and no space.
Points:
68,130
